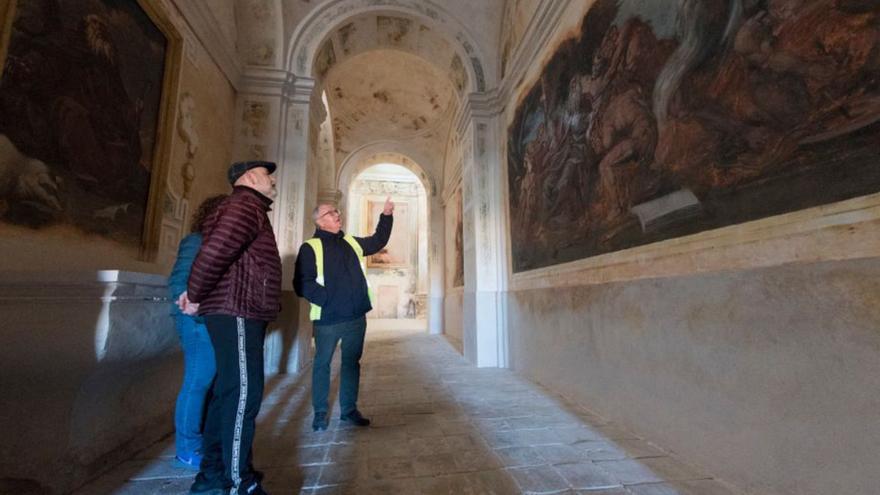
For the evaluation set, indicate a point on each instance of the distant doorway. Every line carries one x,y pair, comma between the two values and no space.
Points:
398,274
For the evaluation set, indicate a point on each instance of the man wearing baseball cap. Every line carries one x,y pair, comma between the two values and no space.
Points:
235,284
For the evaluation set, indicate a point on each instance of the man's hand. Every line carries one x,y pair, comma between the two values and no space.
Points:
389,206
188,308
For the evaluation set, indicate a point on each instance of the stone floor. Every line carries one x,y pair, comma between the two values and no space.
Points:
439,426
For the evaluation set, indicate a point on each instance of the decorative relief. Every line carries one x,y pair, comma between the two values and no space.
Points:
296,120
291,222
256,152
391,30
386,187
254,119
187,131
261,53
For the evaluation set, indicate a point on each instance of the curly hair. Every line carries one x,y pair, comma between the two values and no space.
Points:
204,211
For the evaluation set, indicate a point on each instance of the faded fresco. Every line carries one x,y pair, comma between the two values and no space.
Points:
671,117
395,254
79,105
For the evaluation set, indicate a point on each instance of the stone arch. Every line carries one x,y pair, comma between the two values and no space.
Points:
358,160
311,33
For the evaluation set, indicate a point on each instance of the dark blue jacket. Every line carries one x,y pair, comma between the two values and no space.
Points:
186,254
344,296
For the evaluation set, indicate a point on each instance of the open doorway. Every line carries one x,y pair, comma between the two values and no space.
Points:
398,274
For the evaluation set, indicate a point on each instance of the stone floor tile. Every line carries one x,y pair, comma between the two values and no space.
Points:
338,473
704,487
290,480
609,491
495,482
600,451
456,484
477,460
611,431
440,426
671,469
561,454
629,471
639,448
520,456
542,479
586,475
654,489
434,465
385,468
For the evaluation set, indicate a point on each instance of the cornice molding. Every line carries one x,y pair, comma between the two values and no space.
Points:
266,82
535,39
479,106
300,89
201,20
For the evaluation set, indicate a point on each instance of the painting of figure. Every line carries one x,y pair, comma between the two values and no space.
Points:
395,254
80,98
667,118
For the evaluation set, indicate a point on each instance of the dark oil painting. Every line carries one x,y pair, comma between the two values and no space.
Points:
80,96
663,118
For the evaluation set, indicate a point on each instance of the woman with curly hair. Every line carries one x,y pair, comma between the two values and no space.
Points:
198,355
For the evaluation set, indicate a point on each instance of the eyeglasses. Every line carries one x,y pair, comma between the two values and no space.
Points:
331,212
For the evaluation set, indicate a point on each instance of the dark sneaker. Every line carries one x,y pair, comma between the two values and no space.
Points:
355,418
204,486
253,489
191,461
320,422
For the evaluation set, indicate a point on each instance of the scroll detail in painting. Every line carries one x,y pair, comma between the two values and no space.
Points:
668,118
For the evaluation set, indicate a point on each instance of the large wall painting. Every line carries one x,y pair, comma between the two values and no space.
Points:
667,118
80,102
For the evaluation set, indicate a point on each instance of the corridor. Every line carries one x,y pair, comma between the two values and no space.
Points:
440,425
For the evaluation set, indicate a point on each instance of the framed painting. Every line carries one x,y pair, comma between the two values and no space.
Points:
87,93
395,254
659,120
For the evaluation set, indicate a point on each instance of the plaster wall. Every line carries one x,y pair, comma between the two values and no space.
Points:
765,377
89,369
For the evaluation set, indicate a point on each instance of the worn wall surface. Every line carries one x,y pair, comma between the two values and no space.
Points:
765,378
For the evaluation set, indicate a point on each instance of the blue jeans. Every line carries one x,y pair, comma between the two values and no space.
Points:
351,333
198,372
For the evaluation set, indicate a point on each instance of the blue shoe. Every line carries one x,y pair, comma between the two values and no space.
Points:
190,462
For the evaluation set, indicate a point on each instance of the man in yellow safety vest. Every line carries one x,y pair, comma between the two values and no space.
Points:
331,273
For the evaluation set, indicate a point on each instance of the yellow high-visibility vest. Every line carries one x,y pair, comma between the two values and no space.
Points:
318,248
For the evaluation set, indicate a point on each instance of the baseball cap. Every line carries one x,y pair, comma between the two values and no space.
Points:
238,169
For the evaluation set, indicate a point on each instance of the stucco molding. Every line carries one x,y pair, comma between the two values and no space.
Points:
535,39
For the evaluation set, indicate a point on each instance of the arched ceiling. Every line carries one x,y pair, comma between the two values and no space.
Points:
388,94
369,32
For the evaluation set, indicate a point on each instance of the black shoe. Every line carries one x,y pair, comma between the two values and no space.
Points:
253,489
204,486
320,422
355,418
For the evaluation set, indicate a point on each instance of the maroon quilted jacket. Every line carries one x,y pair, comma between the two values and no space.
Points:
238,270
